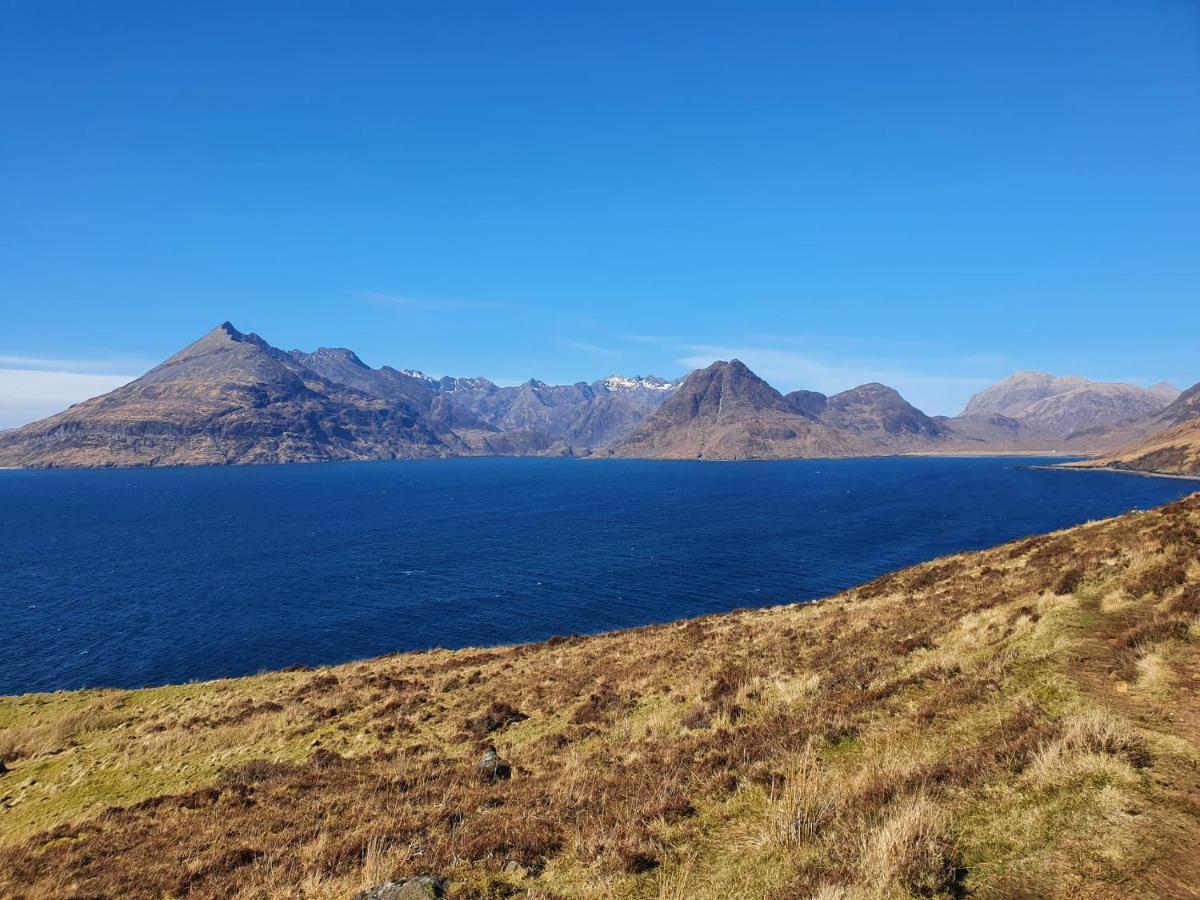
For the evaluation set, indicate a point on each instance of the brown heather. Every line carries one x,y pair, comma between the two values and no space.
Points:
1022,722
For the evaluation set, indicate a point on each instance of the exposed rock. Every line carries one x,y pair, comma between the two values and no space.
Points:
512,867
426,887
493,768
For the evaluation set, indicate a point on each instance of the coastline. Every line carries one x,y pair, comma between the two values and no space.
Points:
589,456
1069,467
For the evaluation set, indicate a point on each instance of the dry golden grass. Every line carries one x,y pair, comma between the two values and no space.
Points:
1018,722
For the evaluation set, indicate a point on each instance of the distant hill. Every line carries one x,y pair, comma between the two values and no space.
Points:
1172,447
727,412
880,413
1065,406
227,398
1013,395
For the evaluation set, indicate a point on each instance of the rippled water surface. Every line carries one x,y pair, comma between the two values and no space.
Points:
133,577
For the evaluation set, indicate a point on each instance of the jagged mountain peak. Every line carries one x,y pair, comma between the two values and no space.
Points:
331,354
639,383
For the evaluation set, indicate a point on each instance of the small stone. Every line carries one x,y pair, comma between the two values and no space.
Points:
426,887
493,767
512,867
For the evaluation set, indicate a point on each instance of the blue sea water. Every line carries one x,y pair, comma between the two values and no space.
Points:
135,577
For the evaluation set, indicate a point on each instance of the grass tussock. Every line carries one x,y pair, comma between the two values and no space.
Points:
1018,722
913,852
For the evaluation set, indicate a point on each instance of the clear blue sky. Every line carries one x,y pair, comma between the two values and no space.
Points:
931,194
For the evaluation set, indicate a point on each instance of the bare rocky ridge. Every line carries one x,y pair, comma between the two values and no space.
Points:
532,417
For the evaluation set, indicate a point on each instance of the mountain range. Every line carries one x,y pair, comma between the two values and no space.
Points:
232,398
725,411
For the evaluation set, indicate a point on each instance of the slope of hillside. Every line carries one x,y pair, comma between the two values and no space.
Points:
227,398
1020,722
343,366
725,411
1172,447
1184,408
880,412
1011,396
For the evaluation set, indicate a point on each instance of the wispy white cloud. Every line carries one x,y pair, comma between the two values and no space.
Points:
588,348
86,366
417,304
648,339
30,394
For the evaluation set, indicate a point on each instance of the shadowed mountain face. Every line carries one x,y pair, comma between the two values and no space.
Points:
1184,408
227,398
880,411
414,389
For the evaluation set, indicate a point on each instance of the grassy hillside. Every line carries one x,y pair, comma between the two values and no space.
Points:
1022,722
1175,451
